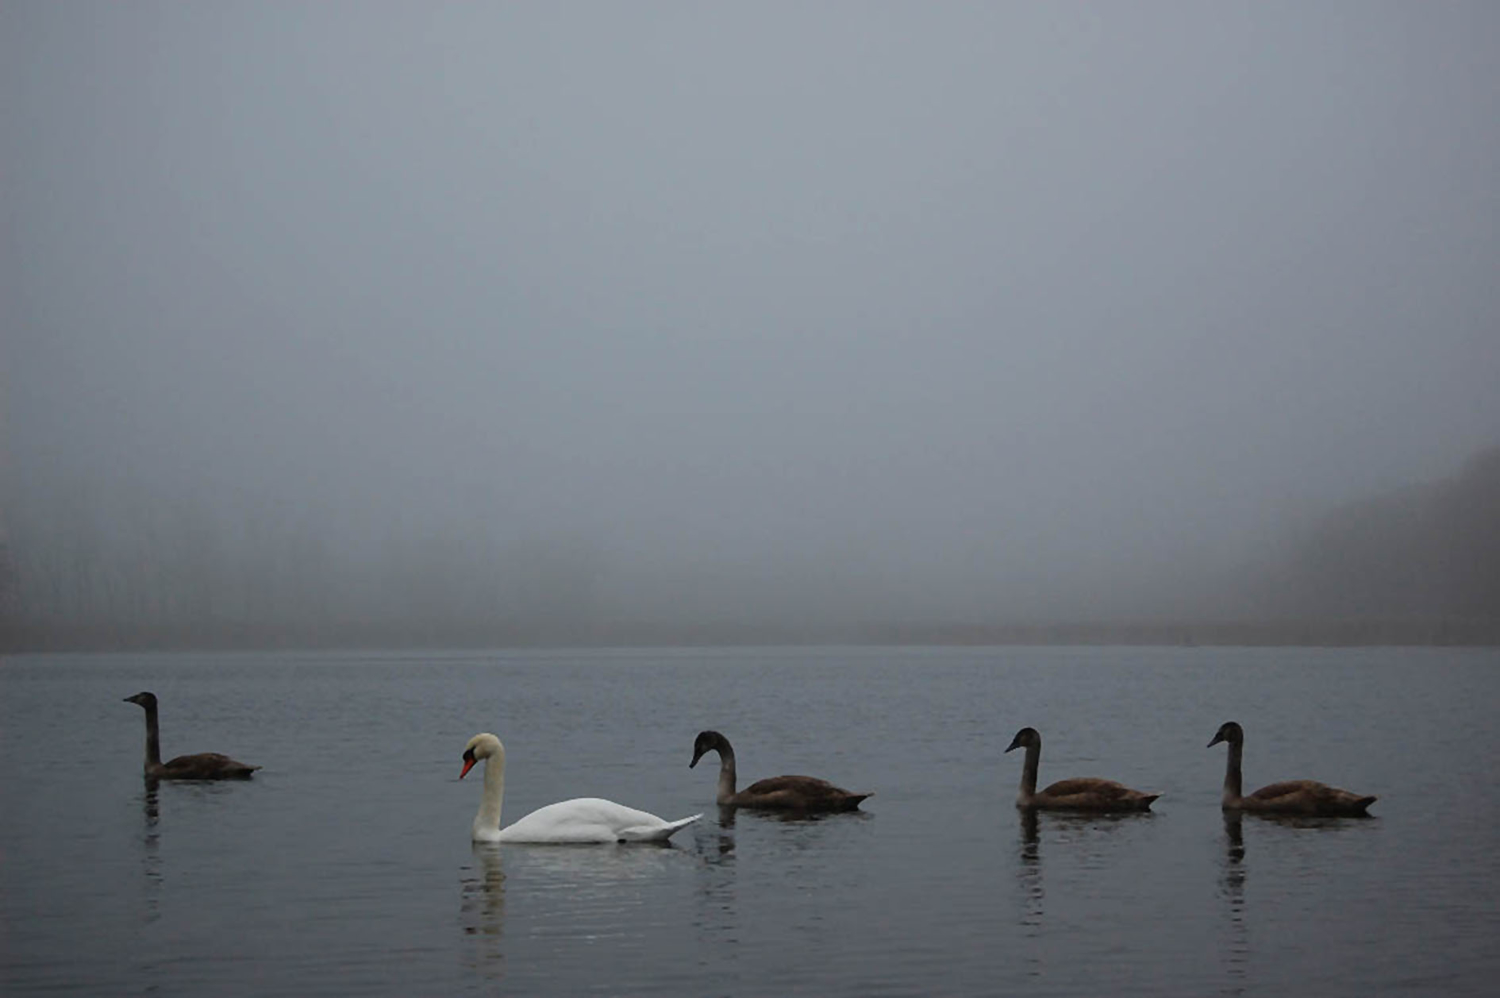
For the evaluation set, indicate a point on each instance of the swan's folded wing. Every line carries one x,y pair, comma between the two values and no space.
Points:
655,832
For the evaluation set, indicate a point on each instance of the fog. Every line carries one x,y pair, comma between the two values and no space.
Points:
646,312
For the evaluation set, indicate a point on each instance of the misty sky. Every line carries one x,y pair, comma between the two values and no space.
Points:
964,302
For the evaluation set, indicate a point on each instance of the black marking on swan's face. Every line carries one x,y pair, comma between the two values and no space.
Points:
1230,732
1025,738
707,741
469,755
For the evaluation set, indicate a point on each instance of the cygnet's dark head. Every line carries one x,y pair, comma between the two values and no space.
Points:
1025,738
1229,732
707,741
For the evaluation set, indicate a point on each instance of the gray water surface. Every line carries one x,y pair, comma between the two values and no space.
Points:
346,864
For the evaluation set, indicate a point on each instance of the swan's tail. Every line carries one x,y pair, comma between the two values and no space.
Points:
656,833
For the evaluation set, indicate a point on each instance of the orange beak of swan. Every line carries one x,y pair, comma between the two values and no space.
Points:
469,761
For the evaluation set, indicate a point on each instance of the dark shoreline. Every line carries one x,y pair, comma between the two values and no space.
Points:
1443,632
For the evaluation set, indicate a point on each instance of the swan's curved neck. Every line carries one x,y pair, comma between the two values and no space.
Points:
1233,779
153,737
1028,771
487,821
726,773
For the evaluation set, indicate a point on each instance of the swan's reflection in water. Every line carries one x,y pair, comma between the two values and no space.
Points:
1232,890
591,869
555,896
481,908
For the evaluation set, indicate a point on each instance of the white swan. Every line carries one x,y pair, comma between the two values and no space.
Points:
584,819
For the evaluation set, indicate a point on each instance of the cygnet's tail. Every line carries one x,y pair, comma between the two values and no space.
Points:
656,833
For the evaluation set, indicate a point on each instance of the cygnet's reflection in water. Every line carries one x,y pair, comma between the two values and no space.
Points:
1283,838
787,816
724,840
1232,882
717,895
1236,945
1029,873
793,831
151,851
786,837
181,798
481,907
1082,840
1293,841
1088,834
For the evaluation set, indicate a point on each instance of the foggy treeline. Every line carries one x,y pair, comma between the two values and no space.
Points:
137,571
1429,550
186,566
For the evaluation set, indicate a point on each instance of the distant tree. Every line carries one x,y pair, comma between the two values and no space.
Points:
1427,550
9,584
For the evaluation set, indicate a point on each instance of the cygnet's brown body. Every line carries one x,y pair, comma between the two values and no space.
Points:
203,766
1287,797
786,793
1083,793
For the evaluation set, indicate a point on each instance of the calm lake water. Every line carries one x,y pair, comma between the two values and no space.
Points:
345,866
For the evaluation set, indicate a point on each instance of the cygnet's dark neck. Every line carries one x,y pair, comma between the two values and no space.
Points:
727,778
153,735
1029,768
1233,777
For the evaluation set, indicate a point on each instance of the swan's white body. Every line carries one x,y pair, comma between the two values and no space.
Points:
581,820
